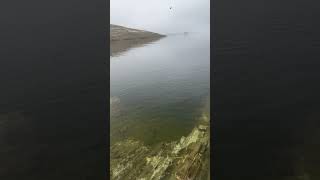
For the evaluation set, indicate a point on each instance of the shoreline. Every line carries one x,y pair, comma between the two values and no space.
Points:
120,33
185,158
182,159
123,39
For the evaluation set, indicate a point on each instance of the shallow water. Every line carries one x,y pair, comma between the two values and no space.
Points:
159,88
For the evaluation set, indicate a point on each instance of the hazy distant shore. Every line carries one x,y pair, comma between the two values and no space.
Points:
122,38
118,33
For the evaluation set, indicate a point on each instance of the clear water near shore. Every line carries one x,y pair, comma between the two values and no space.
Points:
159,90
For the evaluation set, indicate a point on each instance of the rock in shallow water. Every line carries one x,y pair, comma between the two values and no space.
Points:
184,159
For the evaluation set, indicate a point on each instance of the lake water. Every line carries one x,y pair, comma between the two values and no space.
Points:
158,90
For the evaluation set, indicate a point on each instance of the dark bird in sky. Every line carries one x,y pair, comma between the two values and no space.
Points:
170,7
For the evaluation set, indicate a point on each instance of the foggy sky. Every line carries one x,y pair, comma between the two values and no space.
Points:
156,15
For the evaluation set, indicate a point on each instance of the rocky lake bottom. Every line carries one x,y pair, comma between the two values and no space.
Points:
187,157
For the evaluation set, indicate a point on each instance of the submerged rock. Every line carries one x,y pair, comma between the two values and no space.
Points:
114,106
182,160
125,157
202,127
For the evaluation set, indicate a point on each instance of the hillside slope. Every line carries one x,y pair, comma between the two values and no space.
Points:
118,33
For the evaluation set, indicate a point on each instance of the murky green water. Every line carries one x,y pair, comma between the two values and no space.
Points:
158,90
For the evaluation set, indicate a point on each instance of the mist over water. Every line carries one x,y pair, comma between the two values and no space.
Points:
162,16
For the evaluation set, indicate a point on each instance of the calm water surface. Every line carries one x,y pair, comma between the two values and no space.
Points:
160,89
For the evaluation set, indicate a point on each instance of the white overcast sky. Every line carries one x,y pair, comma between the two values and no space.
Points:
156,15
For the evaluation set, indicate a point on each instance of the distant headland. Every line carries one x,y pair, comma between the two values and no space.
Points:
118,33
123,38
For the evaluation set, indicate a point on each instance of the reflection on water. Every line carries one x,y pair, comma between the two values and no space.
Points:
159,93
161,85
118,47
